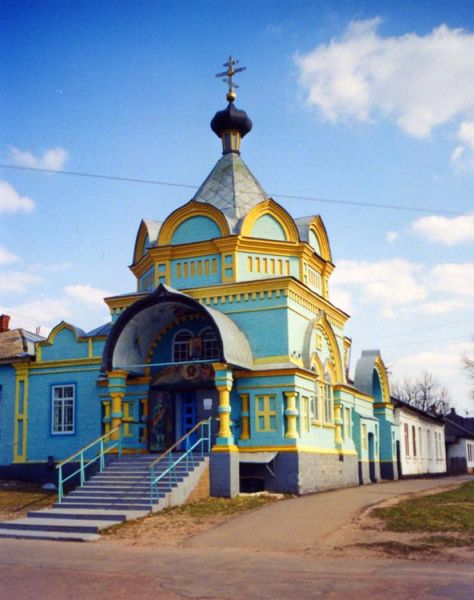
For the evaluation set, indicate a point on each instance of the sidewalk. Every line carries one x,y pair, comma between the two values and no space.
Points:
296,525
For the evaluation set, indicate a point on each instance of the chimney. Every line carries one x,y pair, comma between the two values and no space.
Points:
4,322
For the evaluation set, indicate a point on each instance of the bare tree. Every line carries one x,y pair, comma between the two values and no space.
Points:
425,393
468,363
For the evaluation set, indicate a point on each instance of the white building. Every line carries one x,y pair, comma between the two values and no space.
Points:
421,443
459,444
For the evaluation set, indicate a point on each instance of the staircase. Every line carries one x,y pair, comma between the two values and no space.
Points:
120,492
130,486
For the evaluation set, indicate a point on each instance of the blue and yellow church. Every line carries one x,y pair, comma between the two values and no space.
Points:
232,320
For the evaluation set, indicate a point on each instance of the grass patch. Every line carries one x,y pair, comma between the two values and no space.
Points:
213,507
17,497
451,511
394,548
449,541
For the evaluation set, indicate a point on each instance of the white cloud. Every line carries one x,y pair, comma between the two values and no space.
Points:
11,201
419,81
391,236
445,364
389,283
453,278
441,307
43,313
17,281
86,294
52,159
446,230
7,257
342,299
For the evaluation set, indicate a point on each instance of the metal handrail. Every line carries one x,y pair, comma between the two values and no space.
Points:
187,455
176,444
69,458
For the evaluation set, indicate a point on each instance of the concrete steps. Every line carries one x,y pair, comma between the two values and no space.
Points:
121,492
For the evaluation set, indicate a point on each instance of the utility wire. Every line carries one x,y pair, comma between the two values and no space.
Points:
448,339
400,207
383,337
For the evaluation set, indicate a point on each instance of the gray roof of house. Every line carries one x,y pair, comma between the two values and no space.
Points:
18,343
453,431
101,330
231,188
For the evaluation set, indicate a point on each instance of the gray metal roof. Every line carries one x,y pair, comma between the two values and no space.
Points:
303,223
101,330
231,188
364,371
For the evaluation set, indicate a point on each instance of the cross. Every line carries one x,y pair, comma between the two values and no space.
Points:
228,75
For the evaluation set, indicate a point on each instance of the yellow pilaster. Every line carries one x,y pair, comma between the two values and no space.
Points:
20,433
224,411
117,398
291,414
245,417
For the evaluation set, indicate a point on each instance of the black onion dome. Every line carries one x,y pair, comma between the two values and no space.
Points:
231,118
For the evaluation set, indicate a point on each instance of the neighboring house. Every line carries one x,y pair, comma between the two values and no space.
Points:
459,443
421,441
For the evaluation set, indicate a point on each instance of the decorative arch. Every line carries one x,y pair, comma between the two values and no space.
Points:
189,210
380,369
78,333
328,333
317,228
146,236
273,209
317,366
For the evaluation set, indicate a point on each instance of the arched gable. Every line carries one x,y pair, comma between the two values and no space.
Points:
317,366
318,234
281,218
213,221
371,376
146,236
63,342
326,330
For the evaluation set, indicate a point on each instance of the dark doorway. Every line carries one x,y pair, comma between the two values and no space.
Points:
188,415
161,420
372,475
399,461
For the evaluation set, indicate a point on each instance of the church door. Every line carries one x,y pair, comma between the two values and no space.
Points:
161,420
188,412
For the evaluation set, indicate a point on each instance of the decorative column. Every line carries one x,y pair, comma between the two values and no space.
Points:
117,386
245,417
291,414
224,463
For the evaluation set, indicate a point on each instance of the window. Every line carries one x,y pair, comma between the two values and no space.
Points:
63,400
327,399
347,423
413,438
420,442
304,409
181,345
265,413
315,407
364,436
210,344
407,440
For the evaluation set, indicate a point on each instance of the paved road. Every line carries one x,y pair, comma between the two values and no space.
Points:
214,565
303,521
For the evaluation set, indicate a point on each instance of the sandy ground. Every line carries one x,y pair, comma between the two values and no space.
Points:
364,537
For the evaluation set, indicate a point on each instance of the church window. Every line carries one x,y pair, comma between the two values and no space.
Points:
315,407
304,408
63,405
364,436
265,413
407,440
181,345
413,439
327,399
210,344
347,423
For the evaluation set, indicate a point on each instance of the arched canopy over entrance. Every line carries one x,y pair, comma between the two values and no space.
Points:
132,335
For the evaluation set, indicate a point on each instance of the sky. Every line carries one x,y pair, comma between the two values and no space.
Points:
352,101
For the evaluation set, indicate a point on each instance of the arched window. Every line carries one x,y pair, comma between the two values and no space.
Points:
210,344
328,416
181,345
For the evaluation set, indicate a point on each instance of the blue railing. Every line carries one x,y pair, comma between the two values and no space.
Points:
95,452
167,463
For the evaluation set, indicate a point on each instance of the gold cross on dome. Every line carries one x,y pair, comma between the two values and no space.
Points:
228,77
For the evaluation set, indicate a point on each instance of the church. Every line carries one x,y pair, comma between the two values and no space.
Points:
231,323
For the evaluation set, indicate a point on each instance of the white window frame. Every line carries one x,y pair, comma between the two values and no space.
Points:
64,427
182,347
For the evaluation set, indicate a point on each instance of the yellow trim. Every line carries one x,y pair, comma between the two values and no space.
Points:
21,376
302,449
272,208
319,230
327,331
228,448
384,384
66,362
189,210
345,388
